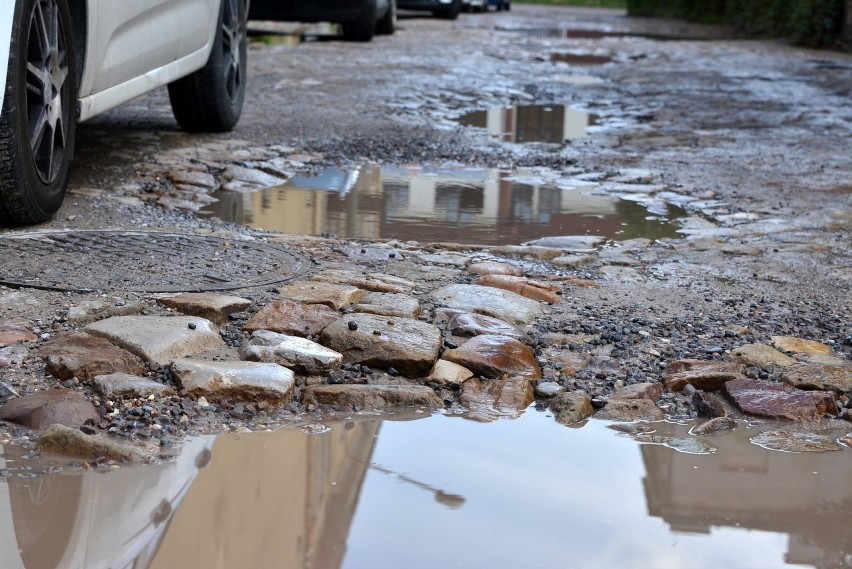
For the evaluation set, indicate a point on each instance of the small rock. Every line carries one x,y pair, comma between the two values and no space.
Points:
703,375
628,410
335,296
779,400
6,392
494,356
299,354
650,391
494,268
496,399
795,441
497,303
126,385
761,355
528,288
12,356
40,410
371,396
61,440
389,304
99,309
85,356
445,373
241,381
548,389
714,426
571,243
16,332
708,404
213,307
467,324
292,318
572,407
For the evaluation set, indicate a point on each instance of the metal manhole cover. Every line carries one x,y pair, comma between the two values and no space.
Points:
141,261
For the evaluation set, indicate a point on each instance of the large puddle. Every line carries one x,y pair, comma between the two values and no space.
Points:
472,206
441,492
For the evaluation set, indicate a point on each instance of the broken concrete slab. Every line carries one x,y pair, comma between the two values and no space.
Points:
292,318
410,346
40,410
496,356
126,385
159,339
213,307
298,354
85,356
242,381
371,396
494,302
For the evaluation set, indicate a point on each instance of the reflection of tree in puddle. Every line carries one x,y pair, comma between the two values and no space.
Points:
747,487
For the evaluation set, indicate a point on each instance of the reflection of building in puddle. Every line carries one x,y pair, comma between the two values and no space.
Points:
532,123
474,206
280,499
808,496
92,521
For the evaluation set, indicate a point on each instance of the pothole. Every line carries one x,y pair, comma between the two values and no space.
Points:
426,204
141,261
532,123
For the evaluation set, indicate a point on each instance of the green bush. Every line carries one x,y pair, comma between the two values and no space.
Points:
807,22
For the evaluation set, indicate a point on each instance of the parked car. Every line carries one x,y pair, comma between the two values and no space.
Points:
482,5
360,19
448,9
500,5
62,62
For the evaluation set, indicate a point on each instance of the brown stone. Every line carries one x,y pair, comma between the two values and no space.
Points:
801,346
628,410
126,385
704,375
469,324
497,398
371,396
333,295
779,400
528,252
814,376
494,268
375,282
571,407
708,404
650,391
292,318
213,307
15,332
389,304
761,355
61,440
243,381
410,346
495,356
528,288
714,426
40,410
84,356
446,373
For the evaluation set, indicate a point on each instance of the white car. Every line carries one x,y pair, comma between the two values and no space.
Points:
64,61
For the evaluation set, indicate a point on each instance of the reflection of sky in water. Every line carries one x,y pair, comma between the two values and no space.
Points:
537,494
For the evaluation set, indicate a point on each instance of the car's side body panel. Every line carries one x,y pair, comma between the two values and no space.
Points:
7,10
336,11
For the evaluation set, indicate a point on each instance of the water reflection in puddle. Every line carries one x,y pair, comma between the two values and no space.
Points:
440,492
472,206
532,123
579,58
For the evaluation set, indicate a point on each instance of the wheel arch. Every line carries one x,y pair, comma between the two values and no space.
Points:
79,24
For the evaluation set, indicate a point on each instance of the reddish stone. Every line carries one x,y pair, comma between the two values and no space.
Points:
495,356
704,375
494,268
15,332
213,307
496,398
469,324
292,318
779,400
650,391
56,406
84,356
529,288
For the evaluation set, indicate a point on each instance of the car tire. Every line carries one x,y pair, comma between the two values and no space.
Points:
450,12
507,6
38,119
387,23
363,28
211,99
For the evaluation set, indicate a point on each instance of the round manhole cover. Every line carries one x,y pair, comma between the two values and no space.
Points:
141,261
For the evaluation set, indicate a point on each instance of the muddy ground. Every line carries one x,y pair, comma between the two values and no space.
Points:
750,138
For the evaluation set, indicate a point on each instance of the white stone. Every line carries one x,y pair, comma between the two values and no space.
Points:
293,352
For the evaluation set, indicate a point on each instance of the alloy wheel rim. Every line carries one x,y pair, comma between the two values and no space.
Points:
233,36
47,90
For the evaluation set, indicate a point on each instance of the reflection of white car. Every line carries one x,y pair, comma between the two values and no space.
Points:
64,61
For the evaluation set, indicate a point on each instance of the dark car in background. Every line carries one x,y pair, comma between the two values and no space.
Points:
448,9
360,19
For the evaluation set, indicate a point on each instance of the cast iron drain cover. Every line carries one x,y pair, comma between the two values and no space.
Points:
141,261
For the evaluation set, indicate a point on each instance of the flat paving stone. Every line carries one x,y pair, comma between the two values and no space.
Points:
410,346
333,295
298,354
371,396
292,318
213,307
126,385
242,381
494,268
159,339
469,324
494,302
85,356
389,304
373,282
761,355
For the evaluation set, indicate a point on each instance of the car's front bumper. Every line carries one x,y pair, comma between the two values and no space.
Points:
423,4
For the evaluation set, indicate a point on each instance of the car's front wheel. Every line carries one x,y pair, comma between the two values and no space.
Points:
387,23
211,99
449,12
362,28
39,112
